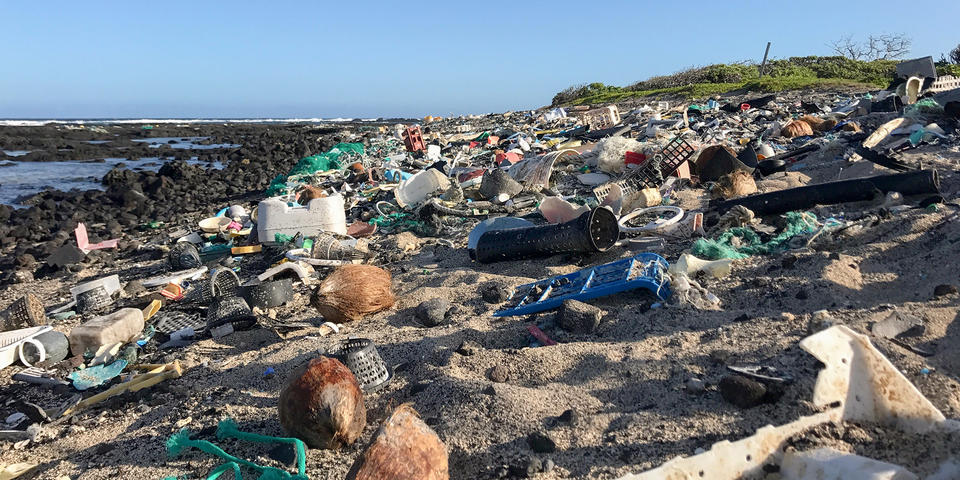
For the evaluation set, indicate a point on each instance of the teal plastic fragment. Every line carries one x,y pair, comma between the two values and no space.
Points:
96,376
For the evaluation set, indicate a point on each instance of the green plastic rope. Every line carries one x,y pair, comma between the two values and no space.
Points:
227,428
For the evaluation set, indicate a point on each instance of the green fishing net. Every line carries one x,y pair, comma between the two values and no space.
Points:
924,106
400,222
798,223
322,162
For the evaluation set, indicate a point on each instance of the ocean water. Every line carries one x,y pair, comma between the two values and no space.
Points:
18,179
183,143
33,122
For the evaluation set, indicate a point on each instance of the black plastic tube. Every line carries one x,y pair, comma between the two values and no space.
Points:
594,231
859,189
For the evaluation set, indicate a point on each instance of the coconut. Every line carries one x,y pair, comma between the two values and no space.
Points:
734,185
323,405
404,448
353,291
797,128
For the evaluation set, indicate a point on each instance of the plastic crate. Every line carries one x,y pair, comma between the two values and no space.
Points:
667,161
646,270
413,140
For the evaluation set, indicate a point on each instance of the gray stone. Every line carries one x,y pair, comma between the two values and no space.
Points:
541,443
696,386
499,374
742,391
433,312
468,348
578,317
494,292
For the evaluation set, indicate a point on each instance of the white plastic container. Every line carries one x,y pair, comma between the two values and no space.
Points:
275,216
418,188
11,341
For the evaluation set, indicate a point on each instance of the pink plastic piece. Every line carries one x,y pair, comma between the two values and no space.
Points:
83,242
539,335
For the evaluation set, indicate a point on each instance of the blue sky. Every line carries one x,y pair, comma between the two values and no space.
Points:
352,58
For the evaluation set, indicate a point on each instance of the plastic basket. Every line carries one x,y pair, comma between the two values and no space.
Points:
94,299
646,270
361,357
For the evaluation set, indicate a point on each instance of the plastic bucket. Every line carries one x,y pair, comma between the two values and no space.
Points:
418,188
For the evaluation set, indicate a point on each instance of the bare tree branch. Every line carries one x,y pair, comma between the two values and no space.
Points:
876,47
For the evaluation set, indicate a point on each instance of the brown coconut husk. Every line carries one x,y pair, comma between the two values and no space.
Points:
734,185
819,124
323,405
353,291
404,448
851,127
309,192
707,154
797,128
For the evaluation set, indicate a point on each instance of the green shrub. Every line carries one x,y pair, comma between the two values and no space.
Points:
793,72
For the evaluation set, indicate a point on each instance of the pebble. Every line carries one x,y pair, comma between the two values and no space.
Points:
696,386
541,443
742,391
569,416
494,292
944,290
821,320
468,348
433,312
548,465
577,317
499,374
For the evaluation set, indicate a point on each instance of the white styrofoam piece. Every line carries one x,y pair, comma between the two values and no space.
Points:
831,464
868,386
275,216
856,376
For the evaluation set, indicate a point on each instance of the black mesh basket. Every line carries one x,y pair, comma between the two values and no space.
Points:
233,310
268,294
361,357
222,282
184,256
94,299
25,312
594,231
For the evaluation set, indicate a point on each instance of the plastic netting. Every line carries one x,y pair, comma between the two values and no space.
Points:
313,164
749,243
399,222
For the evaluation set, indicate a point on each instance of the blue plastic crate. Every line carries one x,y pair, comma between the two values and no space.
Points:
646,270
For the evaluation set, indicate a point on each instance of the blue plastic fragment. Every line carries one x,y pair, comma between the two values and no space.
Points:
96,376
646,270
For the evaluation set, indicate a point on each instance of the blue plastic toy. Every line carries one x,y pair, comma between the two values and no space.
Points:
646,270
